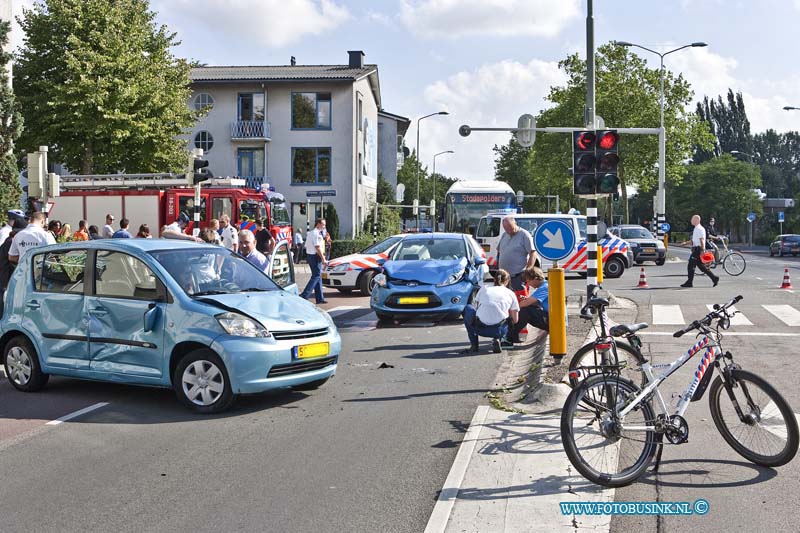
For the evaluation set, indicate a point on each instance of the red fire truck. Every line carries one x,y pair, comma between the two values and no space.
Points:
158,199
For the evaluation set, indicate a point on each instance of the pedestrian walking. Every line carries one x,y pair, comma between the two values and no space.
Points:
249,249
534,308
33,236
315,254
297,245
489,316
230,236
515,252
122,232
108,229
81,234
698,245
213,225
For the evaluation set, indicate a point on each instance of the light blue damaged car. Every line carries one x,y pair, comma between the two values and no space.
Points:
166,313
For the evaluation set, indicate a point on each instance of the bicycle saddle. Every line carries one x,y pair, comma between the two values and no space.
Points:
626,329
598,303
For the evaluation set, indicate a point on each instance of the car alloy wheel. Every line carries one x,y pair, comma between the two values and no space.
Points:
203,383
19,366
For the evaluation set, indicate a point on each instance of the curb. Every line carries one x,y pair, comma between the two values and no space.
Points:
519,373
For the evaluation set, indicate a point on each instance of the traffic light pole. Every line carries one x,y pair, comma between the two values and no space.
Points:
589,123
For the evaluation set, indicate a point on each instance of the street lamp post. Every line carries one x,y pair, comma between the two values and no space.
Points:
418,158
662,142
434,181
791,108
752,189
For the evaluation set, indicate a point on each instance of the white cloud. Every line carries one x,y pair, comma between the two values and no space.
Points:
493,95
272,23
463,18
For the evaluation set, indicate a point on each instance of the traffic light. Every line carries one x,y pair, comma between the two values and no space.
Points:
199,171
303,210
583,162
607,162
36,175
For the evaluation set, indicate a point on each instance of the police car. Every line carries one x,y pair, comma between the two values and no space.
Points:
356,271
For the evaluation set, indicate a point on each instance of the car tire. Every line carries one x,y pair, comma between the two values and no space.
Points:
771,253
639,263
780,253
613,268
211,369
660,262
22,365
365,282
384,317
344,291
311,385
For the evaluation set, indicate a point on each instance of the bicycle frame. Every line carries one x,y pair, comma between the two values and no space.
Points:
652,383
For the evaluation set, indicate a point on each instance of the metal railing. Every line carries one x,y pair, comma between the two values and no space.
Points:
250,129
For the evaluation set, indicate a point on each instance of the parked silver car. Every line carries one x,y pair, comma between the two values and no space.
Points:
644,245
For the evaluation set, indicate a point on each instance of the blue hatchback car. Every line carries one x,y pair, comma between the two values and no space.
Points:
434,273
195,318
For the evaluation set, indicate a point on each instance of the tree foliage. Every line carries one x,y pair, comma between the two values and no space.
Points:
728,123
10,129
98,83
385,192
407,176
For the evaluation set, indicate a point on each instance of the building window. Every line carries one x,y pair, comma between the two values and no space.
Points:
251,107
360,113
311,111
311,165
203,102
250,162
204,141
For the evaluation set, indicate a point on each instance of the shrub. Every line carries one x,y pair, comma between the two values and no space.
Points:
344,247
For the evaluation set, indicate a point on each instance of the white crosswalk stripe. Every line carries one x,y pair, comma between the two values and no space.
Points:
785,313
738,319
667,314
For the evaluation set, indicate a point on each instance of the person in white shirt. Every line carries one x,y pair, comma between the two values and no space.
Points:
315,255
108,229
698,245
13,215
298,245
230,236
494,305
176,230
33,236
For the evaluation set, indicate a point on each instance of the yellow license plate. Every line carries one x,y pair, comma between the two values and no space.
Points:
412,300
486,247
317,349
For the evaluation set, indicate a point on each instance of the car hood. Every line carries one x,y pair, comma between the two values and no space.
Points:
643,241
430,272
277,310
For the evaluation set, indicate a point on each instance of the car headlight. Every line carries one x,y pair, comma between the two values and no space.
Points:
380,280
241,326
342,267
328,317
634,245
454,278
659,245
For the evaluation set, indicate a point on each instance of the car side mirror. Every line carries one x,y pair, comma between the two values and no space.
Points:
478,261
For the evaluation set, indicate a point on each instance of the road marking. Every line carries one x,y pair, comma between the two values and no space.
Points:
668,314
728,334
76,414
342,309
738,319
785,313
771,411
759,279
447,497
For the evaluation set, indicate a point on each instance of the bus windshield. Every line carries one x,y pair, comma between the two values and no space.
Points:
463,211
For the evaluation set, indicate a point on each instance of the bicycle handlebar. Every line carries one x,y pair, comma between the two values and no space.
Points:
706,320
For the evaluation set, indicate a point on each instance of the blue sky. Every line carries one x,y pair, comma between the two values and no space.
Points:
488,61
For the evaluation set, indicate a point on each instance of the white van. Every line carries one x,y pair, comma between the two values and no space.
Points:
617,254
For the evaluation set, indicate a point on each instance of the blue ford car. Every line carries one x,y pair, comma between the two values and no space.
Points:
435,273
195,318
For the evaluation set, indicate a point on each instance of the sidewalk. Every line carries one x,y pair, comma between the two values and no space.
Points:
511,471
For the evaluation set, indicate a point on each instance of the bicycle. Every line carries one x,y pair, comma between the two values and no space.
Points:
604,414
606,353
732,261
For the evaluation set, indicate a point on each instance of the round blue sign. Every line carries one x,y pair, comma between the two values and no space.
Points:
751,216
665,226
554,240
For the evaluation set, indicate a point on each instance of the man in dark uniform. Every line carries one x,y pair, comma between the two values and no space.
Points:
6,266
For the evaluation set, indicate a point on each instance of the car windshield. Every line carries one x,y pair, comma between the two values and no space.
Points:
207,270
382,246
430,250
635,233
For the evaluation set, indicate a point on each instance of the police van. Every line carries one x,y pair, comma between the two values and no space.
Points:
617,254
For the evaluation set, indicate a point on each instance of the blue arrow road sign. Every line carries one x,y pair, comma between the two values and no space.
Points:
665,226
751,216
780,216
554,240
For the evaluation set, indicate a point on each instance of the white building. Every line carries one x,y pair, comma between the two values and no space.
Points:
299,128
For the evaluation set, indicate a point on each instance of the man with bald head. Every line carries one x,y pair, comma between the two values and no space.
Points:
698,245
515,252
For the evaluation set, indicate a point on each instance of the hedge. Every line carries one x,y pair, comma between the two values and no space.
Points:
343,247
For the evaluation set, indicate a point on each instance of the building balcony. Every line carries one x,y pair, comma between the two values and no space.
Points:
250,130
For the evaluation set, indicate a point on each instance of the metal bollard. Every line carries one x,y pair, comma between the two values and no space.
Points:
558,312
599,263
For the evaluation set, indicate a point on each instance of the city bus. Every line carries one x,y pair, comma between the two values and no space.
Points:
467,201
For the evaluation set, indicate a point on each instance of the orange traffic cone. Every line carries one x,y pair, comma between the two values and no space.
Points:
787,283
642,281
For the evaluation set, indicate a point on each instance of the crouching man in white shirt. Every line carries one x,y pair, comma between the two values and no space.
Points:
489,317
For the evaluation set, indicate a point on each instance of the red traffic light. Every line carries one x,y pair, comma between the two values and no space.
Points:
585,140
608,140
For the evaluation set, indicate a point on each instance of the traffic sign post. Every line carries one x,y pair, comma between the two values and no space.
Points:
751,216
555,240
780,220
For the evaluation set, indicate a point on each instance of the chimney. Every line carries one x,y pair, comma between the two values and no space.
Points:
356,58
293,61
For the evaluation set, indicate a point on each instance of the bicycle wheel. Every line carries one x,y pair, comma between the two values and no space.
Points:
734,263
766,433
596,441
587,361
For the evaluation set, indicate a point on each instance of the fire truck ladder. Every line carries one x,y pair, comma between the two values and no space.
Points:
140,181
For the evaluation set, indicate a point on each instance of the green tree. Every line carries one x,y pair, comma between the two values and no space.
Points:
332,221
627,96
98,83
778,155
388,222
385,191
728,123
10,129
